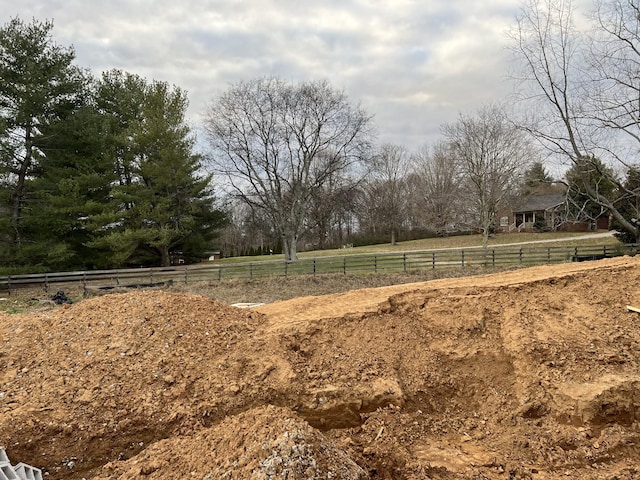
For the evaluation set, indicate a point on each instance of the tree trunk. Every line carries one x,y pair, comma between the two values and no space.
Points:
18,191
393,236
485,238
293,249
290,248
486,227
165,257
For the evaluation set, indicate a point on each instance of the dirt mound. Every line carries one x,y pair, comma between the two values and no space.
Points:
105,377
527,374
266,442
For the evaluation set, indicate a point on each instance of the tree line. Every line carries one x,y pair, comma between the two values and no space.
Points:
303,169
576,102
94,172
103,172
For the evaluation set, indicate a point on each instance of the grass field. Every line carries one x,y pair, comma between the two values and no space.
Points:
462,241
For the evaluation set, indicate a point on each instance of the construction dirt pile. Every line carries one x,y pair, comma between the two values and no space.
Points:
526,374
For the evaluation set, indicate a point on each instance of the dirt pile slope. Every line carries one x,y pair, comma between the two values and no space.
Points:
100,380
265,442
527,374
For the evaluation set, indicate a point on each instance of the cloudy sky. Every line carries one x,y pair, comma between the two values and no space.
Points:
413,64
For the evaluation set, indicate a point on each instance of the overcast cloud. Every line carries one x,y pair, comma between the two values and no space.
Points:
413,64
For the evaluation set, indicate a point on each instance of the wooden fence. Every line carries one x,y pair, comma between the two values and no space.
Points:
414,261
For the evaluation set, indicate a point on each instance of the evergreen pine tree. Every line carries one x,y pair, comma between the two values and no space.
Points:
39,85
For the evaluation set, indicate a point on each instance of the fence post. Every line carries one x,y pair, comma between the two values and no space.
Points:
421,258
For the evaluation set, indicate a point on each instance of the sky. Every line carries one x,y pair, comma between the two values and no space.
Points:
412,64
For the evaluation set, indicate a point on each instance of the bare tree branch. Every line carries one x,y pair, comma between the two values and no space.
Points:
277,143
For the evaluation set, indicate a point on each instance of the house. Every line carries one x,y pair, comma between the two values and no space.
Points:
538,212
546,213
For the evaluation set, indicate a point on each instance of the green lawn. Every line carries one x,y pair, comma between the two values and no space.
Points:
463,241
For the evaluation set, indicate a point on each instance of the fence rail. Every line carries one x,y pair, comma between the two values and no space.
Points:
414,261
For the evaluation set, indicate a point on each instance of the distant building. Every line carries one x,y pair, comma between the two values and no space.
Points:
537,213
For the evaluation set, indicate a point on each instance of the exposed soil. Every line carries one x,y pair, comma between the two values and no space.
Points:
526,374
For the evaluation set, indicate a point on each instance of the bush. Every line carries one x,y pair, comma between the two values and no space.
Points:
541,225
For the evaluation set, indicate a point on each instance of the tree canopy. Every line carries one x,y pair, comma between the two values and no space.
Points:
40,85
159,202
384,196
96,173
277,143
580,91
493,154
589,175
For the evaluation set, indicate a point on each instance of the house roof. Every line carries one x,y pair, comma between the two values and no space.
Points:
537,203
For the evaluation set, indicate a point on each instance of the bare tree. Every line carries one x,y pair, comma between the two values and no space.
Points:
384,194
277,142
492,154
332,204
585,92
245,234
614,63
440,179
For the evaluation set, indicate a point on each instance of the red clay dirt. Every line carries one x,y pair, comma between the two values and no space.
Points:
526,374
